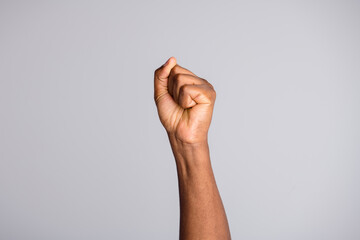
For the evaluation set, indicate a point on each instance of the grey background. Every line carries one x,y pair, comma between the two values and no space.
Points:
84,156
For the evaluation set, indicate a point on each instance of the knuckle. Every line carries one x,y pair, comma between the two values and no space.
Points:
174,71
206,81
178,77
183,89
213,94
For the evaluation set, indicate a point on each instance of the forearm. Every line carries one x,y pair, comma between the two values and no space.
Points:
202,214
185,104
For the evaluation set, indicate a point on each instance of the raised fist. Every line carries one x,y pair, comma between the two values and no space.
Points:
184,102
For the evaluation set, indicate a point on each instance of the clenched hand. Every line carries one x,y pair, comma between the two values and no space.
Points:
184,102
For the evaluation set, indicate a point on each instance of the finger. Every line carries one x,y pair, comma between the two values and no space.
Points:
191,95
180,70
177,69
178,80
161,76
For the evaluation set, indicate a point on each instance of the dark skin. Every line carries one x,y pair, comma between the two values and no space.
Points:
185,105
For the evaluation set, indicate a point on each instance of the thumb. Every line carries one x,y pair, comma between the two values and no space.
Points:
161,77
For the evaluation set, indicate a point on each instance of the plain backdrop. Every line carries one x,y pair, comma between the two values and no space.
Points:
83,154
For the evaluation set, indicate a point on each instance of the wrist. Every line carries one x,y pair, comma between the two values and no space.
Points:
182,146
194,152
192,159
